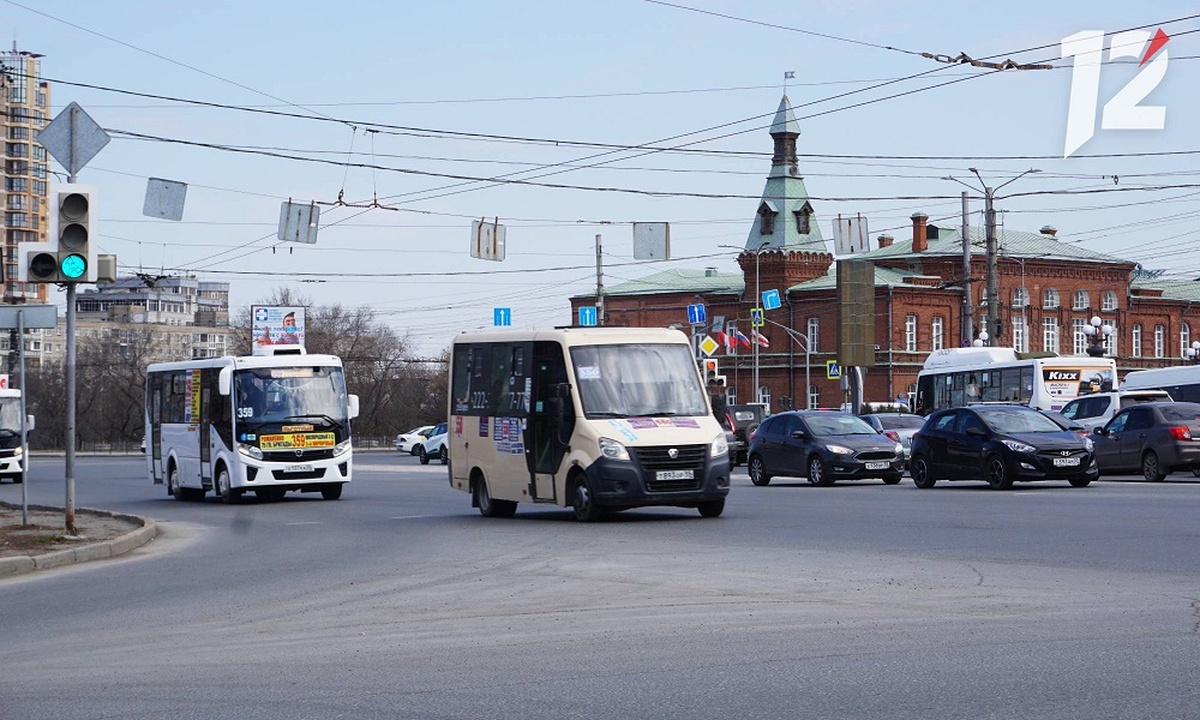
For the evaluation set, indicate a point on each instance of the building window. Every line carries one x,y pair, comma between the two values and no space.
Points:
1185,339
814,334
1110,301
1050,299
802,221
1082,300
1136,340
766,224
1021,297
1110,345
1050,334
938,333
814,397
910,333
1160,341
1079,338
1020,335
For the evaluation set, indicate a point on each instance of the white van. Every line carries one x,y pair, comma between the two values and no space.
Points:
1093,411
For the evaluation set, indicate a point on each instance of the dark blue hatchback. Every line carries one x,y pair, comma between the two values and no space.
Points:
1000,445
823,446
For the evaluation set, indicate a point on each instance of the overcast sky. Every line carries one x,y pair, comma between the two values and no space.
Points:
610,113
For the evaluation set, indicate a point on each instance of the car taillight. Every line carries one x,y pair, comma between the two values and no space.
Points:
892,434
1181,432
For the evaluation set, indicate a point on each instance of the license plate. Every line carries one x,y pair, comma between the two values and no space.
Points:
1066,462
298,467
674,475
878,465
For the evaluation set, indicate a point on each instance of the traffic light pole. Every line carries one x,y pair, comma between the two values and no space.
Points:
70,412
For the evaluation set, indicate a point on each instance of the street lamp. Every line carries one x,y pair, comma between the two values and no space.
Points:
807,359
1194,351
1096,333
981,340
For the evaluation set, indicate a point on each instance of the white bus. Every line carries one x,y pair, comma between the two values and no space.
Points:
961,376
597,419
266,423
1183,382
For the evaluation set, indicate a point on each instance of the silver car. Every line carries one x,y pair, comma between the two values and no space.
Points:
898,426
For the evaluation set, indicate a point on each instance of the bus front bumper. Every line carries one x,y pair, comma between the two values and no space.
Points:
621,484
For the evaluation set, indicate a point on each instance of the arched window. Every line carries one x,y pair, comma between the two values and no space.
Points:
1185,339
1110,301
1021,297
1082,300
1050,299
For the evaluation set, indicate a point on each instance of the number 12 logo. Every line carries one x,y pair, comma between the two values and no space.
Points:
1122,111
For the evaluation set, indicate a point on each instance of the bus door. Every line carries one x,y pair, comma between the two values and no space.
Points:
551,420
208,391
154,430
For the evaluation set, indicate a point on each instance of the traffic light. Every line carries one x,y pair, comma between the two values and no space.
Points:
710,370
70,256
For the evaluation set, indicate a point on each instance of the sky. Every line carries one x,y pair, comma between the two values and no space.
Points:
565,121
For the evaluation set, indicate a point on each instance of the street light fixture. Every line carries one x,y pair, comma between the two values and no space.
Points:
807,360
1097,333
1194,351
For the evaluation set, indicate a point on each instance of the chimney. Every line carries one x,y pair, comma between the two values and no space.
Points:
1049,230
919,241
885,241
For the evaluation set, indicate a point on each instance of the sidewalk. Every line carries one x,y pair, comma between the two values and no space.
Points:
42,543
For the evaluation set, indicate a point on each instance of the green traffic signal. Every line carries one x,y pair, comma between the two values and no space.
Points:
73,266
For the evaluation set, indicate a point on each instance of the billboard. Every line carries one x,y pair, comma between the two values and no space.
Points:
276,325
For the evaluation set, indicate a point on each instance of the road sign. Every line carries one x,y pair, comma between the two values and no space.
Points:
770,299
588,316
73,138
697,315
833,371
33,316
708,345
501,316
756,317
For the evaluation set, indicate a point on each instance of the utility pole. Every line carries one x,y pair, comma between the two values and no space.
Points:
989,213
599,285
968,316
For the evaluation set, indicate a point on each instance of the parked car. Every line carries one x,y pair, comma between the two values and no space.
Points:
742,421
408,441
1155,438
899,426
434,446
999,444
1092,411
823,446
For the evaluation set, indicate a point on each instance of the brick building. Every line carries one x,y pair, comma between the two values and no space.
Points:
1048,292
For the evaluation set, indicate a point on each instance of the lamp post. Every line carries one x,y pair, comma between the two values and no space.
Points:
1193,352
1097,332
807,359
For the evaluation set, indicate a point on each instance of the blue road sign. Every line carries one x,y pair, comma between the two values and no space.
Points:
501,316
770,299
756,317
696,315
588,316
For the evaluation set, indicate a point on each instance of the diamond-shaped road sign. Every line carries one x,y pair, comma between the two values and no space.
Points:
73,138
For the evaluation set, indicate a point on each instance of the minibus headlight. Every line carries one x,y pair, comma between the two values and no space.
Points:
613,450
250,451
718,447
340,448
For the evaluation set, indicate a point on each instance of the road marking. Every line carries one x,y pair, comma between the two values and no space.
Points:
412,517
310,522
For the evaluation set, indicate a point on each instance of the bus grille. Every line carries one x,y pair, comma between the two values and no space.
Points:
305,455
655,459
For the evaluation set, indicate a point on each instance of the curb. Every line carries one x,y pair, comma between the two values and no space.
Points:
84,553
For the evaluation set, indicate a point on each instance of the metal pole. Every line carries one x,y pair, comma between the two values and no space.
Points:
968,320
599,286
992,291
757,255
807,375
24,430
70,438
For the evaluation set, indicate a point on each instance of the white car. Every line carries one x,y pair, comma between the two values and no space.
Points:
435,446
408,441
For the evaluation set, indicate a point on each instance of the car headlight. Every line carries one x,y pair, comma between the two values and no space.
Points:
718,447
613,450
1088,444
341,448
250,451
899,449
17,451
839,449
1018,446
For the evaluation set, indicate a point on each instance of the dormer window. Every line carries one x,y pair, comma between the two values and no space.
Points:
804,219
766,216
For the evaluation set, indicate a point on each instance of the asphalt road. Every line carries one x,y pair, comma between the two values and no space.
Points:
854,601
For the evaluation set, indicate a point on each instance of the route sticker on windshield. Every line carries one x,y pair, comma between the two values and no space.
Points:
296,441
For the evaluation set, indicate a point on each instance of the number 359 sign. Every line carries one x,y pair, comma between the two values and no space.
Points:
1122,111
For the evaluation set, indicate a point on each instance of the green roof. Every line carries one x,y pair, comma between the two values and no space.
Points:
1012,243
681,280
1186,290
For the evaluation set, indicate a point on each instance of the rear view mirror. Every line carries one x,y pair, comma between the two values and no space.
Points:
976,432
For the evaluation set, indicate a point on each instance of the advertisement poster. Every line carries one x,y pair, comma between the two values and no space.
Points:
276,325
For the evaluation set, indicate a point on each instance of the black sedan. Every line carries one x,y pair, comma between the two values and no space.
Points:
999,444
823,446
1153,438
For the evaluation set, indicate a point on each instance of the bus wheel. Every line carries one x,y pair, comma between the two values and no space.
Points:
173,488
711,508
997,474
331,491
489,507
225,489
586,508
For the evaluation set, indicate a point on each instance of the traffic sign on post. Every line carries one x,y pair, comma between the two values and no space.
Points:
588,316
833,370
756,317
697,315
770,299
501,316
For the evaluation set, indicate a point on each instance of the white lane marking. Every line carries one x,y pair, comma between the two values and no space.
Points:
307,522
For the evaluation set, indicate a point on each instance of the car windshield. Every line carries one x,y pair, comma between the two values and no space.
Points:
838,424
1014,420
655,380
1182,412
900,422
